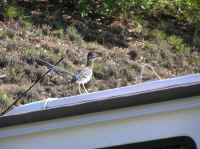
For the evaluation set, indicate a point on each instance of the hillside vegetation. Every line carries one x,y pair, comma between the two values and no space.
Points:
126,33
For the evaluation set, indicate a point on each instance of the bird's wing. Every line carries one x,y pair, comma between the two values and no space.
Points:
54,68
84,73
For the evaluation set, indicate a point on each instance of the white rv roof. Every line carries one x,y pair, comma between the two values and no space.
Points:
110,93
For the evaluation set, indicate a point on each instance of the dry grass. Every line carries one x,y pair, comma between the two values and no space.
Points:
126,50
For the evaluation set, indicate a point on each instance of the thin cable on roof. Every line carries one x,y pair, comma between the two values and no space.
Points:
22,95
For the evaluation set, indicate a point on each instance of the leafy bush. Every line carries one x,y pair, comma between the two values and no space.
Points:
11,11
4,98
187,10
73,34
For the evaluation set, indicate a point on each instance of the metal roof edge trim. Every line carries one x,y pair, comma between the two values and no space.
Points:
146,97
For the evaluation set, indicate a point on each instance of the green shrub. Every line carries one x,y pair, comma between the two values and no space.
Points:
103,71
175,40
12,11
158,34
4,98
186,10
73,34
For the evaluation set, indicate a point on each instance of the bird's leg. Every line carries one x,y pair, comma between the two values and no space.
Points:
84,88
79,88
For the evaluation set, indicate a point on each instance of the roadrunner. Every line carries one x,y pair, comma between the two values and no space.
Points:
81,77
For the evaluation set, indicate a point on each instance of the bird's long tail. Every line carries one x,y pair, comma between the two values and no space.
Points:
55,68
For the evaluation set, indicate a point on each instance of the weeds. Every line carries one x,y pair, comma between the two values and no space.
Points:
158,34
175,41
121,55
4,100
127,72
73,35
13,12
59,33
95,46
29,55
103,71
14,75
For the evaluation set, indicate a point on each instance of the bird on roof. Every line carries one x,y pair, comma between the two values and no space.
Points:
85,75
81,77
